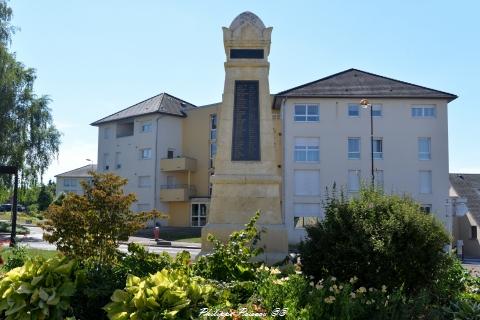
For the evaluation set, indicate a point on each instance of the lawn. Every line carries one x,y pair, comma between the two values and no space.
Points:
6,252
21,217
7,227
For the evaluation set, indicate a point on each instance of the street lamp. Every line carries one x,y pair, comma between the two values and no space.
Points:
365,104
91,163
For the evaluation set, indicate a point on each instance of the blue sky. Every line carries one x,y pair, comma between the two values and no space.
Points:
94,58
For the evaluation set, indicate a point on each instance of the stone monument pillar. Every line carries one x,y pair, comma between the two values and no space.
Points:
246,176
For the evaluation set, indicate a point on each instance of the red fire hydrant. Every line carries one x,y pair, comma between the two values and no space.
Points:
156,233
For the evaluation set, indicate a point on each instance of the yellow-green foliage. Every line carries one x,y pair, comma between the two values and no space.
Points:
168,294
40,289
91,225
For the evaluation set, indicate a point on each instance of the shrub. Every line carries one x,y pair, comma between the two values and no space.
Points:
168,294
17,258
40,289
141,263
232,261
96,284
381,239
91,225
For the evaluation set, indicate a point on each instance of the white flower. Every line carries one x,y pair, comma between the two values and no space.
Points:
329,299
384,288
312,283
275,271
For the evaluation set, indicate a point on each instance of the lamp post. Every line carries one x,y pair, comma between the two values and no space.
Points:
365,104
91,163
12,170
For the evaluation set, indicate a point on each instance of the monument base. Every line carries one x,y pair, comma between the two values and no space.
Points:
274,240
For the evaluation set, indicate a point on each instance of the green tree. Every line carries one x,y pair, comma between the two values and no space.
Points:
91,225
28,137
44,198
381,239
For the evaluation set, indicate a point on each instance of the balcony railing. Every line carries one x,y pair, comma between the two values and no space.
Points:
178,164
176,192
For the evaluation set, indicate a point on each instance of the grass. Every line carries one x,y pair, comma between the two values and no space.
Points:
6,252
21,217
7,227
193,240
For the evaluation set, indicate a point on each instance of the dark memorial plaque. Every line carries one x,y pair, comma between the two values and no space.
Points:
246,122
246,54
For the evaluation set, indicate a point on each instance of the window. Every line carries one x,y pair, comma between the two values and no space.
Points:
144,182
199,214
210,184
70,182
424,111
302,222
424,149
170,153
146,153
213,139
425,181
170,181
213,127
354,148
305,214
125,129
306,113
378,174
307,150
377,110
353,180
106,133
354,110
146,127
118,164
307,182
473,232
377,148
142,207
426,208
106,161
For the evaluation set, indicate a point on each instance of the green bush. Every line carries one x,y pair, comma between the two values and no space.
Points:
232,261
168,294
381,239
17,258
96,284
141,263
40,289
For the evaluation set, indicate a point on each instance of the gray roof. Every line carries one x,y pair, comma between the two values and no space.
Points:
81,172
360,84
163,103
468,186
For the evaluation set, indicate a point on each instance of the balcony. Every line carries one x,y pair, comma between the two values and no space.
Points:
176,192
178,164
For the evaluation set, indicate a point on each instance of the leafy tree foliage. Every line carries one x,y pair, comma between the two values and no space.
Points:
91,225
381,239
44,198
28,137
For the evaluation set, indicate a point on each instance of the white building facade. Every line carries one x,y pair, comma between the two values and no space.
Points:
327,142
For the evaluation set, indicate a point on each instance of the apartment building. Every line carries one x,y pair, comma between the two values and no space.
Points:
70,181
327,142
166,146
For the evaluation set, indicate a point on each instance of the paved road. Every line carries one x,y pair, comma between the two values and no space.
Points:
35,240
